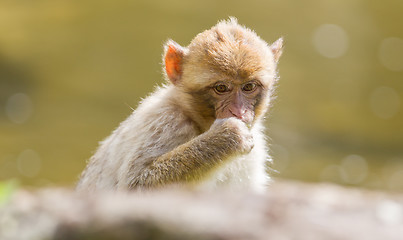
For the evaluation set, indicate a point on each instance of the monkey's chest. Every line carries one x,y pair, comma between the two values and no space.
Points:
238,173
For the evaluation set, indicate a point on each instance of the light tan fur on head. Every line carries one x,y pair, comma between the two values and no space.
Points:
233,50
226,51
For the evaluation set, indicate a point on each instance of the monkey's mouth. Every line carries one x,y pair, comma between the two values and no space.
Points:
247,118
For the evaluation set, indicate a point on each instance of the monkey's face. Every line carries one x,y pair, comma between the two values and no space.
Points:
227,71
236,99
225,81
225,96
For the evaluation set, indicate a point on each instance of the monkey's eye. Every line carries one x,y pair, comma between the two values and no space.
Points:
221,88
249,87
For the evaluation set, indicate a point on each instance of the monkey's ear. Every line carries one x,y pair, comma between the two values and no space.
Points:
277,49
173,60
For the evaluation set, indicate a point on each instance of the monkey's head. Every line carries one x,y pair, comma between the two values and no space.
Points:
226,71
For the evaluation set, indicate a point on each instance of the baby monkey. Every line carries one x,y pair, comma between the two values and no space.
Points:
203,129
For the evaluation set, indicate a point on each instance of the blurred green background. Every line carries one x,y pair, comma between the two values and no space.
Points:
70,72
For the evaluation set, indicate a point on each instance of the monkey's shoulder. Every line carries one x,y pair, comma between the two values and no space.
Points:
157,121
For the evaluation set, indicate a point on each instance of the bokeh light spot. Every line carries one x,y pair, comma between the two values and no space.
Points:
330,40
355,169
391,53
384,102
19,108
29,163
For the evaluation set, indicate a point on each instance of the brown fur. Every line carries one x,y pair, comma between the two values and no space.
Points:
186,132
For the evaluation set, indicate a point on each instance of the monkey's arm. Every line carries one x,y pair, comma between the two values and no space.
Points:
195,159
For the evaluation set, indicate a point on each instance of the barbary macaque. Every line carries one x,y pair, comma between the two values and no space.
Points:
203,129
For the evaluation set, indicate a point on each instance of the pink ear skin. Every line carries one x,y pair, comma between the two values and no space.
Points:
174,54
277,49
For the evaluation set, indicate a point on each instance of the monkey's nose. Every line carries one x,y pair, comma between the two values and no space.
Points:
238,113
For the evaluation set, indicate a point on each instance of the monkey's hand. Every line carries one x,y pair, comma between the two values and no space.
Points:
235,135
195,158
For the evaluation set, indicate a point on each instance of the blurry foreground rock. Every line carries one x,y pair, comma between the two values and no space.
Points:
289,210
